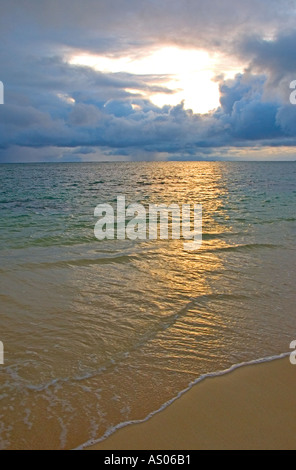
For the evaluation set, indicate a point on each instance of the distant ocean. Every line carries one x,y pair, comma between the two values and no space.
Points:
97,333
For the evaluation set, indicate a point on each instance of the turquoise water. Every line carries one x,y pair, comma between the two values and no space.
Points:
98,333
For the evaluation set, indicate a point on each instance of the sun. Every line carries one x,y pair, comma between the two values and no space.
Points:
188,74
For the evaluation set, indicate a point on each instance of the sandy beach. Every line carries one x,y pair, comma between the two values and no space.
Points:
250,408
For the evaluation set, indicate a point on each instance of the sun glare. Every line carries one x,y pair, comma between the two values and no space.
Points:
187,74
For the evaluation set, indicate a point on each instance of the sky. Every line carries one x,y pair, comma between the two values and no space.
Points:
125,80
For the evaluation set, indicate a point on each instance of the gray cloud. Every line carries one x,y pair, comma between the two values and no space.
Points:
116,25
64,112
276,56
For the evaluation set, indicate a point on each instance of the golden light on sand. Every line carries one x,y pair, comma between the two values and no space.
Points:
188,75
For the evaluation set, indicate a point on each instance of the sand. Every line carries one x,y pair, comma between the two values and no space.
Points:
252,407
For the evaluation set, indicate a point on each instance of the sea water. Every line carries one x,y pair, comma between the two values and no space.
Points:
99,333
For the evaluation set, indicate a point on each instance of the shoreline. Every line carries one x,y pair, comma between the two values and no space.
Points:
239,394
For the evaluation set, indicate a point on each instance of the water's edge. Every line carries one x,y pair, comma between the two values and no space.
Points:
180,394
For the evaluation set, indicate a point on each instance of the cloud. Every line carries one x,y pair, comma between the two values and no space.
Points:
286,120
63,112
249,116
275,55
116,25
244,117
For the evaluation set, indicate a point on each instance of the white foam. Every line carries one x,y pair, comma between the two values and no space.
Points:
192,384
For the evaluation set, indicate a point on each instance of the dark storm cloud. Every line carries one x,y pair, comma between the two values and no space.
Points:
64,112
277,56
249,116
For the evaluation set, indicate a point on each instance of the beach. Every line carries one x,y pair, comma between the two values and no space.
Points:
251,407
99,333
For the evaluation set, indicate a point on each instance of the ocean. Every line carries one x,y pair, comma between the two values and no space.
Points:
100,333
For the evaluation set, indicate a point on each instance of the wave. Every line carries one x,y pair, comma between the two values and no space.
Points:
118,259
275,221
81,262
242,248
166,323
111,431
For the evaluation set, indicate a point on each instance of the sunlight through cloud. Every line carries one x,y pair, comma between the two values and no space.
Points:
190,75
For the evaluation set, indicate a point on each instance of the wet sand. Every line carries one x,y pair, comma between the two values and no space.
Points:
252,407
